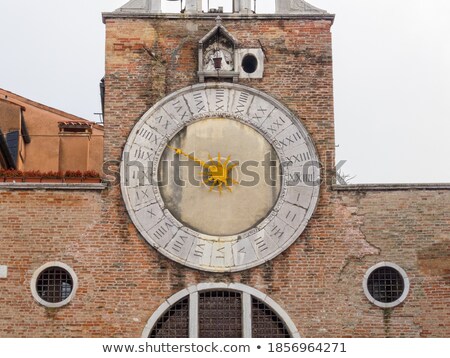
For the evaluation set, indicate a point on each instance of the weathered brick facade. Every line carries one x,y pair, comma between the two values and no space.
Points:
317,281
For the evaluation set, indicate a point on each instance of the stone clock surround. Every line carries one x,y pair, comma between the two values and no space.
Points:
275,122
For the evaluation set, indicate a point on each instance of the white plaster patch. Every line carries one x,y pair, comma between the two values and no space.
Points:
3,271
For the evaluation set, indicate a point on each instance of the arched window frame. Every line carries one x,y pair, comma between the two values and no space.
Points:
247,293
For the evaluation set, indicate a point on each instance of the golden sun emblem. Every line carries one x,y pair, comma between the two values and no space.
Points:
217,171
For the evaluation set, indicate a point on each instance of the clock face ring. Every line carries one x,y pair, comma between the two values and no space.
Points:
187,125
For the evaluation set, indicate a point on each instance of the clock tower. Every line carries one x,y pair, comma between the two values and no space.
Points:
223,127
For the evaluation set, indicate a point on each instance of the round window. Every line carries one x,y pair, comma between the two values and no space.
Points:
249,63
386,285
54,284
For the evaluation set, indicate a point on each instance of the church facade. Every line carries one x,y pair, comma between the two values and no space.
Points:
142,255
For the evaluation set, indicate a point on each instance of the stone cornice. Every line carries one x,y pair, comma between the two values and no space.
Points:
391,187
213,16
52,186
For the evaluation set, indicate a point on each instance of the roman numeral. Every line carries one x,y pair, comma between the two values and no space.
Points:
256,117
152,214
276,125
262,110
291,216
278,232
144,133
220,95
296,178
199,250
142,154
179,243
260,113
299,158
261,244
308,178
242,101
143,195
165,125
179,108
163,230
292,139
220,253
149,136
199,103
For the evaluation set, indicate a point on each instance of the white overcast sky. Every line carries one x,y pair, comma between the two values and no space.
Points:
391,75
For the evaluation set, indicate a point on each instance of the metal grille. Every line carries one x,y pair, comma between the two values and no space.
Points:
54,284
174,323
385,284
220,314
265,322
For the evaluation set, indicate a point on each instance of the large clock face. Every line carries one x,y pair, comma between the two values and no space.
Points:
192,187
220,178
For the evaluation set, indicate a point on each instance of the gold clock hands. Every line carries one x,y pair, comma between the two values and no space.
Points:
217,175
225,164
189,156
229,168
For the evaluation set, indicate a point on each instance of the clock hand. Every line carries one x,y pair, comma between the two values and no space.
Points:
217,174
189,156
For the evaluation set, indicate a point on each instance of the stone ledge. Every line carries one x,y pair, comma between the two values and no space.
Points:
52,186
391,187
213,16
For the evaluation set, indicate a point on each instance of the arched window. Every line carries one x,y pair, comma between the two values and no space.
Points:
220,311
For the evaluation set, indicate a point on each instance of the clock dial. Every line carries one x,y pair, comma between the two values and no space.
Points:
220,179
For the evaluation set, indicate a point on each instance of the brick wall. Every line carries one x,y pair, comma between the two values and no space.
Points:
318,280
298,69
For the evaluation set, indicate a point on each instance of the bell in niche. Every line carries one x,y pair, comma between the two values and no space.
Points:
217,61
217,54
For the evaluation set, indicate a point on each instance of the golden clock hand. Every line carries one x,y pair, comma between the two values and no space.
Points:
217,175
189,156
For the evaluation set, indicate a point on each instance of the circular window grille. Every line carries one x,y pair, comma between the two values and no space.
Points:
54,284
386,285
235,312
249,63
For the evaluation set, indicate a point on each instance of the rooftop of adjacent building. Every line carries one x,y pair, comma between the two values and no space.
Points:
34,137
18,100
